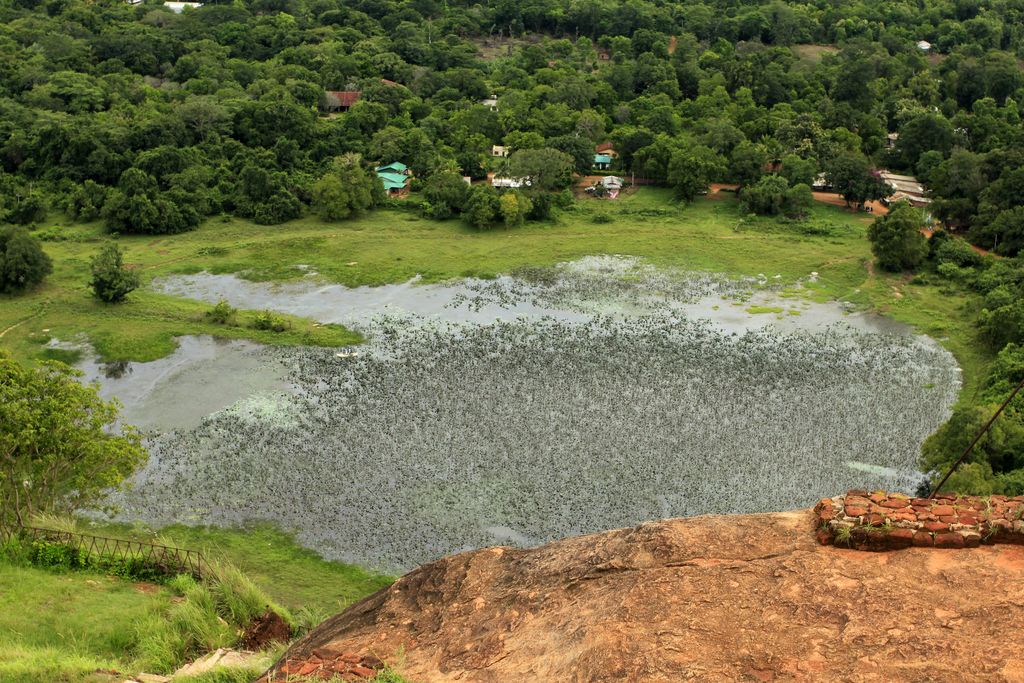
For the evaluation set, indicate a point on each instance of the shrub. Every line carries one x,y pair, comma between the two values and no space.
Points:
63,556
111,281
958,252
29,207
222,314
766,197
542,202
222,674
85,201
799,200
514,207
268,321
23,263
149,211
213,614
237,598
61,437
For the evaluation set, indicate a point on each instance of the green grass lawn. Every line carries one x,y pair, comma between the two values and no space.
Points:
66,626
63,627
292,575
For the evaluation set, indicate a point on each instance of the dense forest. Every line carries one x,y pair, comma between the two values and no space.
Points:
154,120
151,120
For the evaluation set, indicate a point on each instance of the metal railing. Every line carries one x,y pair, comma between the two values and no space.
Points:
166,559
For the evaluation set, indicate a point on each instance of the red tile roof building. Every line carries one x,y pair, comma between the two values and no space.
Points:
340,100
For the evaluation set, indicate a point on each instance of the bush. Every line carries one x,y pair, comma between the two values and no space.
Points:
29,207
62,556
23,263
213,614
85,201
111,281
958,252
221,314
542,202
798,201
268,321
766,197
223,674
149,212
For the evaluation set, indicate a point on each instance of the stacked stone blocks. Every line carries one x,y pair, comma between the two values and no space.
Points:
889,521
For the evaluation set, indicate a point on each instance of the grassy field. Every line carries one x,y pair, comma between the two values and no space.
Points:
295,577
63,627
392,246
74,626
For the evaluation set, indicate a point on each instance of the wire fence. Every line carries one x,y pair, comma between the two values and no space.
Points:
166,559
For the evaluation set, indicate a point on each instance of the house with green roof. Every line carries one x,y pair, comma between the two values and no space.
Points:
394,167
602,161
394,177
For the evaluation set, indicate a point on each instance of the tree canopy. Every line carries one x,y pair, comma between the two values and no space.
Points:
152,121
59,449
111,280
896,238
23,263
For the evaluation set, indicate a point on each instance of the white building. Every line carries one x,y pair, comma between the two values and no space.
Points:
512,183
179,7
904,188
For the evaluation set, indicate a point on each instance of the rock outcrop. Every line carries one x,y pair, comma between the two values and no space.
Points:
716,598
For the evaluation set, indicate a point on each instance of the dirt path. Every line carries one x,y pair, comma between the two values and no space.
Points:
21,322
717,191
722,190
877,208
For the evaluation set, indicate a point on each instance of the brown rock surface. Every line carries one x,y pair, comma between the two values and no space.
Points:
717,598
265,630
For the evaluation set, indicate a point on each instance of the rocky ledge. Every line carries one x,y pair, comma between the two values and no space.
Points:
717,598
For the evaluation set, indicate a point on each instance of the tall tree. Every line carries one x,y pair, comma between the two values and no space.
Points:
896,239
482,206
345,190
851,176
692,169
111,281
23,263
444,194
61,448
545,168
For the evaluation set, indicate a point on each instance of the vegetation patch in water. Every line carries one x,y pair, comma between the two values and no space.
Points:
440,437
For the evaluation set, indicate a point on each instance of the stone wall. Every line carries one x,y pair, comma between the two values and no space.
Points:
888,521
